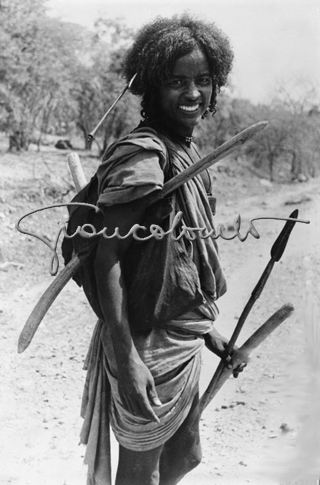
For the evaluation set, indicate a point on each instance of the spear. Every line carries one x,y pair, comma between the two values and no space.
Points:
73,266
276,253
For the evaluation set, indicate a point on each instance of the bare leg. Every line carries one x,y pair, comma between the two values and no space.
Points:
182,452
138,467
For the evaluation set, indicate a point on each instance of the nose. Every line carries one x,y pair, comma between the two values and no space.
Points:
192,91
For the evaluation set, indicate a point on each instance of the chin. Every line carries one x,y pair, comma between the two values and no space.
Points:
193,123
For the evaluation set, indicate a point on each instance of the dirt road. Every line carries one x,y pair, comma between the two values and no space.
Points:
262,428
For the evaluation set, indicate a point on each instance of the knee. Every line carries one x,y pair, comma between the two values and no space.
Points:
174,468
193,459
189,461
138,476
155,477
142,475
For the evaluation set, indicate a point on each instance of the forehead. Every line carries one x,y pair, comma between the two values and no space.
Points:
192,63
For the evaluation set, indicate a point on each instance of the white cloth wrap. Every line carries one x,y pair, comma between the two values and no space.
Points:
174,359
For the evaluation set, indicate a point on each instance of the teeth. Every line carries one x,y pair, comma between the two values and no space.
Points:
189,108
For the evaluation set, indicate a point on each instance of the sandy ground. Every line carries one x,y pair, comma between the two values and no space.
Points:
262,428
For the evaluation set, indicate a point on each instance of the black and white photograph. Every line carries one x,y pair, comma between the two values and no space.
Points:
160,242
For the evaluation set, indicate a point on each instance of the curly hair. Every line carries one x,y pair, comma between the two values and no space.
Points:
160,43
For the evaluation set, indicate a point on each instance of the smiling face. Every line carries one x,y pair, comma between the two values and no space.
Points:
184,97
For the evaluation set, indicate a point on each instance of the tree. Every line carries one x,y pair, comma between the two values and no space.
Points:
232,115
19,28
99,83
288,149
35,75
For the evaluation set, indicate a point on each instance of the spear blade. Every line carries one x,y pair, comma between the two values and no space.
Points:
281,241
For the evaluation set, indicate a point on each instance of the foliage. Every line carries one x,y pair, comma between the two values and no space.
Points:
34,80
56,75
60,78
99,83
232,116
288,149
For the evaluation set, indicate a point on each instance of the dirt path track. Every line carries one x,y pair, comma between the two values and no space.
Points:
261,428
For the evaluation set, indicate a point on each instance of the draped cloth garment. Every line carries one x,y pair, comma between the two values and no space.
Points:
134,167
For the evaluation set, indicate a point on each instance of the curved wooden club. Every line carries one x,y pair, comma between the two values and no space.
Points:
45,302
216,155
60,281
245,350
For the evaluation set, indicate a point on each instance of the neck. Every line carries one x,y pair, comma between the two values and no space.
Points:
177,130
174,132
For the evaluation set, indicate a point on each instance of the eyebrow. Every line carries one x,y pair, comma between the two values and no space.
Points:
182,76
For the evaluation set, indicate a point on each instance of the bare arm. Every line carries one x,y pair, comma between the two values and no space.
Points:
217,344
136,384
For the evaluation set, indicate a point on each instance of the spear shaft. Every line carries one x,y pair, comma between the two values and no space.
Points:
276,253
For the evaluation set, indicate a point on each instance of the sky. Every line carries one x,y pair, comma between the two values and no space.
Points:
276,42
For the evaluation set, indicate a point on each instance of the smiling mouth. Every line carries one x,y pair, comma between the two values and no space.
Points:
190,109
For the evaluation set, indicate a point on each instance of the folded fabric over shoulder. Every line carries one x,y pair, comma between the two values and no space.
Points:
132,168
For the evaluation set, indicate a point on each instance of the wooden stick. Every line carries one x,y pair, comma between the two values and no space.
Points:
80,182
225,149
247,348
76,170
53,290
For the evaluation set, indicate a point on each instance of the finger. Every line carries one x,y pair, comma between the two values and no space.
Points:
228,362
239,369
153,396
146,409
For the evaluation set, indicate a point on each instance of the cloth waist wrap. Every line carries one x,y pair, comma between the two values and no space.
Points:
172,354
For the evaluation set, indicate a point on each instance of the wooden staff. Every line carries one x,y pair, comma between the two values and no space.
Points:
67,273
76,170
80,182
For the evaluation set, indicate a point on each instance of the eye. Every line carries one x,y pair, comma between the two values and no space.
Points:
204,80
175,83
